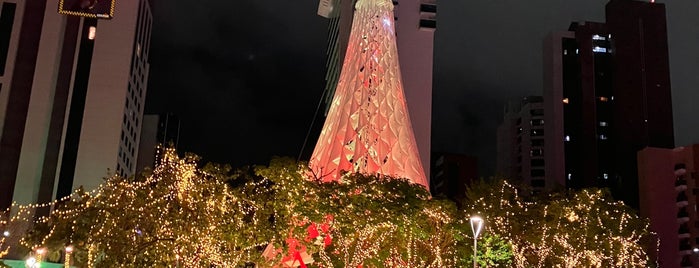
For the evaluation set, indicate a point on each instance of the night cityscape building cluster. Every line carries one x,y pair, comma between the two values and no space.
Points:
72,98
73,90
607,99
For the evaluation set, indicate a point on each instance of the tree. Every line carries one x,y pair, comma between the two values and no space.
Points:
275,216
583,228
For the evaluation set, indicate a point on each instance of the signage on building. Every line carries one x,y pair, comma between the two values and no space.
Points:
99,9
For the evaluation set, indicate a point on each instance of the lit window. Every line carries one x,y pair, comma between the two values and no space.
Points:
570,176
603,99
598,37
566,101
602,137
567,138
602,124
92,33
576,51
599,49
612,98
565,52
605,176
138,49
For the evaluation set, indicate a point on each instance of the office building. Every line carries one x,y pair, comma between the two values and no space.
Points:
415,23
607,96
520,144
157,130
72,97
669,193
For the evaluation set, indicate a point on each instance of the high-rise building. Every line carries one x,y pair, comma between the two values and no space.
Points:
71,98
520,143
669,194
607,96
415,23
156,130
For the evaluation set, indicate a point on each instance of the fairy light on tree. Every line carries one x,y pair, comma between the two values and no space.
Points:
578,229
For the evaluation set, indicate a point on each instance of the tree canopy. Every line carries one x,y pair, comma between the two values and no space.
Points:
185,214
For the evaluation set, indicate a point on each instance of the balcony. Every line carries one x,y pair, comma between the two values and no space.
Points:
685,248
680,185
686,262
683,232
682,200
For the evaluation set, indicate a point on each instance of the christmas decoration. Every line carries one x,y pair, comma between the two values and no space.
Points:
368,127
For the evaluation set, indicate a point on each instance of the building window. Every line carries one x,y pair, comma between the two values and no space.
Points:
570,176
567,138
603,99
537,142
605,176
537,132
538,183
537,172
537,162
602,124
536,112
536,152
599,49
602,137
537,122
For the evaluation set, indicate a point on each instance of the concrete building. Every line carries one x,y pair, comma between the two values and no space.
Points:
607,87
71,99
157,130
520,143
669,193
415,26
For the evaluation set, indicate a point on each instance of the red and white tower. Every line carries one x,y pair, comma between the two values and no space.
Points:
368,127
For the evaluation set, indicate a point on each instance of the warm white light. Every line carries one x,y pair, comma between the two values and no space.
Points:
31,262
41,251
6,233
92,33
476,225
566,101
696,250
69,249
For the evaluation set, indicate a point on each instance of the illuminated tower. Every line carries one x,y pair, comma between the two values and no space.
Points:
368,127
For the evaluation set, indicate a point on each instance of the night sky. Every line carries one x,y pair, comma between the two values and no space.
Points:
245,76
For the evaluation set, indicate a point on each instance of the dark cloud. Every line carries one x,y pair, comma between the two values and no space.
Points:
246,76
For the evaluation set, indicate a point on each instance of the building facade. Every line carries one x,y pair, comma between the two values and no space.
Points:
520,143
72,97
607,88
415,23
157,130
669,193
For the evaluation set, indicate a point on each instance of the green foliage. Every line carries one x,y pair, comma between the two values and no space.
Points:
583,228
214,216
494,251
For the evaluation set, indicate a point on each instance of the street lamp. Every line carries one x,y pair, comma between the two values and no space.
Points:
476,227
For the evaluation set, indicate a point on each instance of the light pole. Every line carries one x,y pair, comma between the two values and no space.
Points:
476,227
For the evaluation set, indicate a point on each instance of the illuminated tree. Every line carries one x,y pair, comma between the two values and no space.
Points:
275,216
576,229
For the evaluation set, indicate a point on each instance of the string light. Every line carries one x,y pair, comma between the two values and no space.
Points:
185,215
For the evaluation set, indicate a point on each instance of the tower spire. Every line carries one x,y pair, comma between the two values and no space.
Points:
368,127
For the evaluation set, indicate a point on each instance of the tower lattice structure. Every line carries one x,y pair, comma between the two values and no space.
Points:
368,129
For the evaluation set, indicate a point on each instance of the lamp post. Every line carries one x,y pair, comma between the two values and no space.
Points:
476,227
